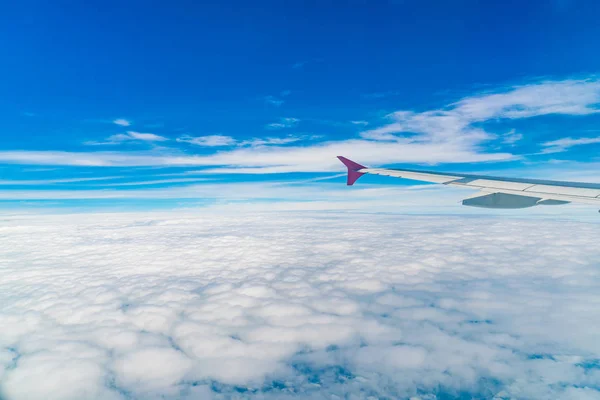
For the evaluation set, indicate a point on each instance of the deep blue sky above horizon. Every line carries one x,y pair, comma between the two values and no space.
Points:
163,94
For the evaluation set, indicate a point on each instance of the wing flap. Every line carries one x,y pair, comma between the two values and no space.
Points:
501,200
548,196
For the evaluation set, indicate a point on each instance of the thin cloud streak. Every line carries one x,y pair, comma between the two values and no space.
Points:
130,136
208,141
283,123
317,158
561,145
154,182
24,182
122,122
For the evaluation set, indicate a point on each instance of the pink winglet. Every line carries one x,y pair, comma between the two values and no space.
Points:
353,169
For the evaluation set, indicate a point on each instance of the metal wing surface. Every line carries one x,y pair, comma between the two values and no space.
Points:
494,192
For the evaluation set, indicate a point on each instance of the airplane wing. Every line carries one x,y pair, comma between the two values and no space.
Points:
494,192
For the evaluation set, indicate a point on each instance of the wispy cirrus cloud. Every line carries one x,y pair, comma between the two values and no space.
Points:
208,140
511,137
568,97
459,121
273,101
128,137
122,122
28,182
148,137
455,133
283,123
277,100
270,141
152,182
564,144
317,158
381,95
222,140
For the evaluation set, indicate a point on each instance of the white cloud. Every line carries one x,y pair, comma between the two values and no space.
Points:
149,137
317,158
154,182
569,97
122,122
560,145
54,181
273,101
361,123
277,100
511,137
182,305
128,137
329,197
270,141
448,135
283,123
208,141
381,95
457,121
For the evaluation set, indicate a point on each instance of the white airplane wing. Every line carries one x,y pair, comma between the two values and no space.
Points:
494,192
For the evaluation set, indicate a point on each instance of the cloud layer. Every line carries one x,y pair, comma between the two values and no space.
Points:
182,305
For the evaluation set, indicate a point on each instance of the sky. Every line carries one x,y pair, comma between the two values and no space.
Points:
132,101
174,222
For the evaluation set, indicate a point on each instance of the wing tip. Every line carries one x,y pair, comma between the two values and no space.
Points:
353,169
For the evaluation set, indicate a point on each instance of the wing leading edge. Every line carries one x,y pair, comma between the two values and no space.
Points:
494,192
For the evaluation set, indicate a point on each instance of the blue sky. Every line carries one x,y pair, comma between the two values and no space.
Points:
133,99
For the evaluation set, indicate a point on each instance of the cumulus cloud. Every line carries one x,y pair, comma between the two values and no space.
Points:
208,141
313,305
